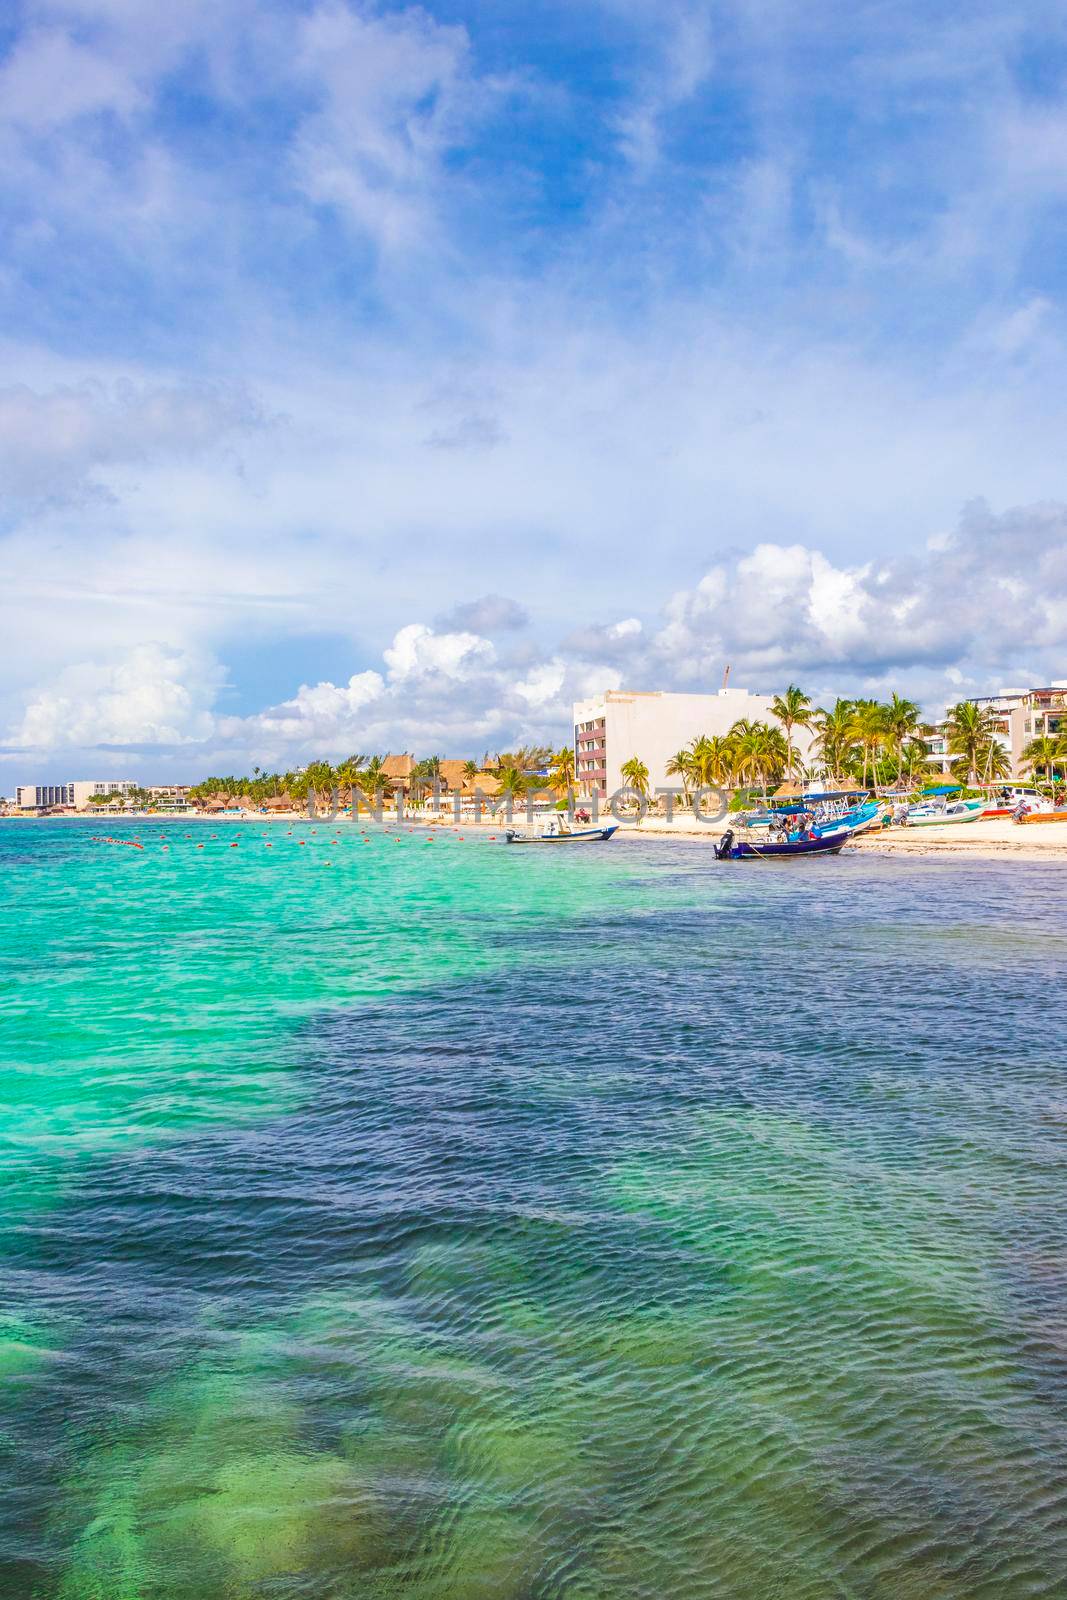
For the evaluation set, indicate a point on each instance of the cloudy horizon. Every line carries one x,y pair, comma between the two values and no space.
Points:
386,377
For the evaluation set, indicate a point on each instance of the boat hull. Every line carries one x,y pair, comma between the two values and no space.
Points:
579,836
827,844
942,821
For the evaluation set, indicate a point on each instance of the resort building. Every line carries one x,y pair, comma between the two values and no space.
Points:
86,790
43,796
1019,716
653,725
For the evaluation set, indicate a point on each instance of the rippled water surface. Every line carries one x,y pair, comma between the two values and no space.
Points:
429,1219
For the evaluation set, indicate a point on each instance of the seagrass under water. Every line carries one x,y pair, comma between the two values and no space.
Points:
450,1221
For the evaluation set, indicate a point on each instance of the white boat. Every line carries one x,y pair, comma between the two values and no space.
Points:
939,816
557,834
1008,800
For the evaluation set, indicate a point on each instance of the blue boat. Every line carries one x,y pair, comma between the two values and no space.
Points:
826,844
858,818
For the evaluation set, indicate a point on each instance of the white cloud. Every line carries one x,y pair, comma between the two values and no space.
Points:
395,91
62,440
323,712
990,594
150,696
417,653
49,79
985,605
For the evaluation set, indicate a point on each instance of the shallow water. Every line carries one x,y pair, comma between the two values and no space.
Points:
450,1221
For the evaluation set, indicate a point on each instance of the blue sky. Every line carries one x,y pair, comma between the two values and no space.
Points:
379,376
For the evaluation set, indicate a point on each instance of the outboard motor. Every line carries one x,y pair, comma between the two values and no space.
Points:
725,845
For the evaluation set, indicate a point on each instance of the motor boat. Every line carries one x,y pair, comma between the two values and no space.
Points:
936,816
730,848
558,834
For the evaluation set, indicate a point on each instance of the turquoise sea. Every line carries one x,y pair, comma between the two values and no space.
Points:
412,1218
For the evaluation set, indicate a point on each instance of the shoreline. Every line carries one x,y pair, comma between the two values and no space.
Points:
995,839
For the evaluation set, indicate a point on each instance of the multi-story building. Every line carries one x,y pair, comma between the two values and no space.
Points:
43,796
169,796
653,725
1019,715
87,789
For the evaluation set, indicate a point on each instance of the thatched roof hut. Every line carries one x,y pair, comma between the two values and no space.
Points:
398,770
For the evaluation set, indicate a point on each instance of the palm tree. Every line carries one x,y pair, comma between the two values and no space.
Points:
970,732
761,751
901,722
713,758
636,775
321,778
561,774
914,761
835,735
793,710
371,778
1044,752
870,730
348,775
514,783
470,770
680,765
527,758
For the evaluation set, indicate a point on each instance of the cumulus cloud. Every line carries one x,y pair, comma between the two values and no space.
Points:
324,711
980,602
418,654
982,605
151,696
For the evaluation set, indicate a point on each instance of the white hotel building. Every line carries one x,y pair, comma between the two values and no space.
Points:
46,796
653,725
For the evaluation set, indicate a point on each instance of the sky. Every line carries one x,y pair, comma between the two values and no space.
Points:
384,377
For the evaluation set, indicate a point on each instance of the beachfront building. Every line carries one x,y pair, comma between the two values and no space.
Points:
171,796
653,725
1019,715
87,791
43,796
398,771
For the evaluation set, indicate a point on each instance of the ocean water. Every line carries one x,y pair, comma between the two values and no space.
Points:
429,1219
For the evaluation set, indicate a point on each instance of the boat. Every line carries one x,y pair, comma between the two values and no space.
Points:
940,816
1009,798
730,848
858,820
562,835
1043,816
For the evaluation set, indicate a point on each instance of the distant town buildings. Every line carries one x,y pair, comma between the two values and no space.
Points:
654,725
1020,715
